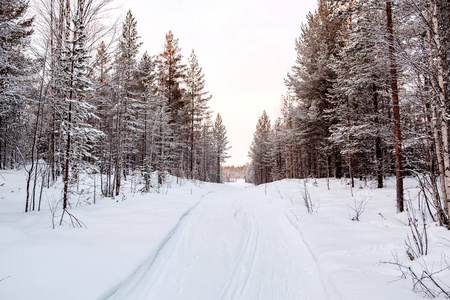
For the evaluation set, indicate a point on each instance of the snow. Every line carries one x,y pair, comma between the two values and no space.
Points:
210,241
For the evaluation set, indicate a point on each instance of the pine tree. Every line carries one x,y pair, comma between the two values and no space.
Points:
290,139
220,145
277,143
195,110
207,161
395,107
311,82
260,152
147,88
171,74
359,103
163,135
102,76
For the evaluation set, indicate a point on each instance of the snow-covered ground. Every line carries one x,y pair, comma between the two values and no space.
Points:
210,241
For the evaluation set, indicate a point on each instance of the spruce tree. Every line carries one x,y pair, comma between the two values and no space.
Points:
15,80
127,100
79,135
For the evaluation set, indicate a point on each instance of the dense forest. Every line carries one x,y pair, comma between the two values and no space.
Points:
76,98
366,98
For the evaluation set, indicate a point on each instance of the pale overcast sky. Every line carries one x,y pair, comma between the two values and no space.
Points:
245,47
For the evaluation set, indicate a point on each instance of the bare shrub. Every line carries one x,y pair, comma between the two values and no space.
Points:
427,281
417,240
358,205
72,220
53,207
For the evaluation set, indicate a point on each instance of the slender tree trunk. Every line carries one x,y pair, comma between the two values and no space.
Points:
40,119
34,144
119,153
218,168
67,161
69,113
437,202
435,117
328,160
109,182
442,102
53,145
378,150
43,175
191,159
350,155
396,109
144,143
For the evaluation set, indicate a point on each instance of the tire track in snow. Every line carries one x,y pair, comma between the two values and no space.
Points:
239,286
135,279
274,263
241,273
264,258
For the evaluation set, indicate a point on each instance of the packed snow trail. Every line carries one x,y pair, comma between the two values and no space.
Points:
230,245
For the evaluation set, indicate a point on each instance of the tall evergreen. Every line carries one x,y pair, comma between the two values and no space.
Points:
79,135
207,152
171,73
360,103
195,111
15,70
102,77
220,145
163,135
260,152
127,100
277,144
311,82
146,81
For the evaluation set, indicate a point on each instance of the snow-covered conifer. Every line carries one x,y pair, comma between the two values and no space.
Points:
220,145
260,152
15,71
195,110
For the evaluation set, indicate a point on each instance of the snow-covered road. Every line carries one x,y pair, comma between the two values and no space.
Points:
230,245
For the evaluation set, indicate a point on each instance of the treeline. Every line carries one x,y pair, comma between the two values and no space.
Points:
233,173
83,105
367,97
